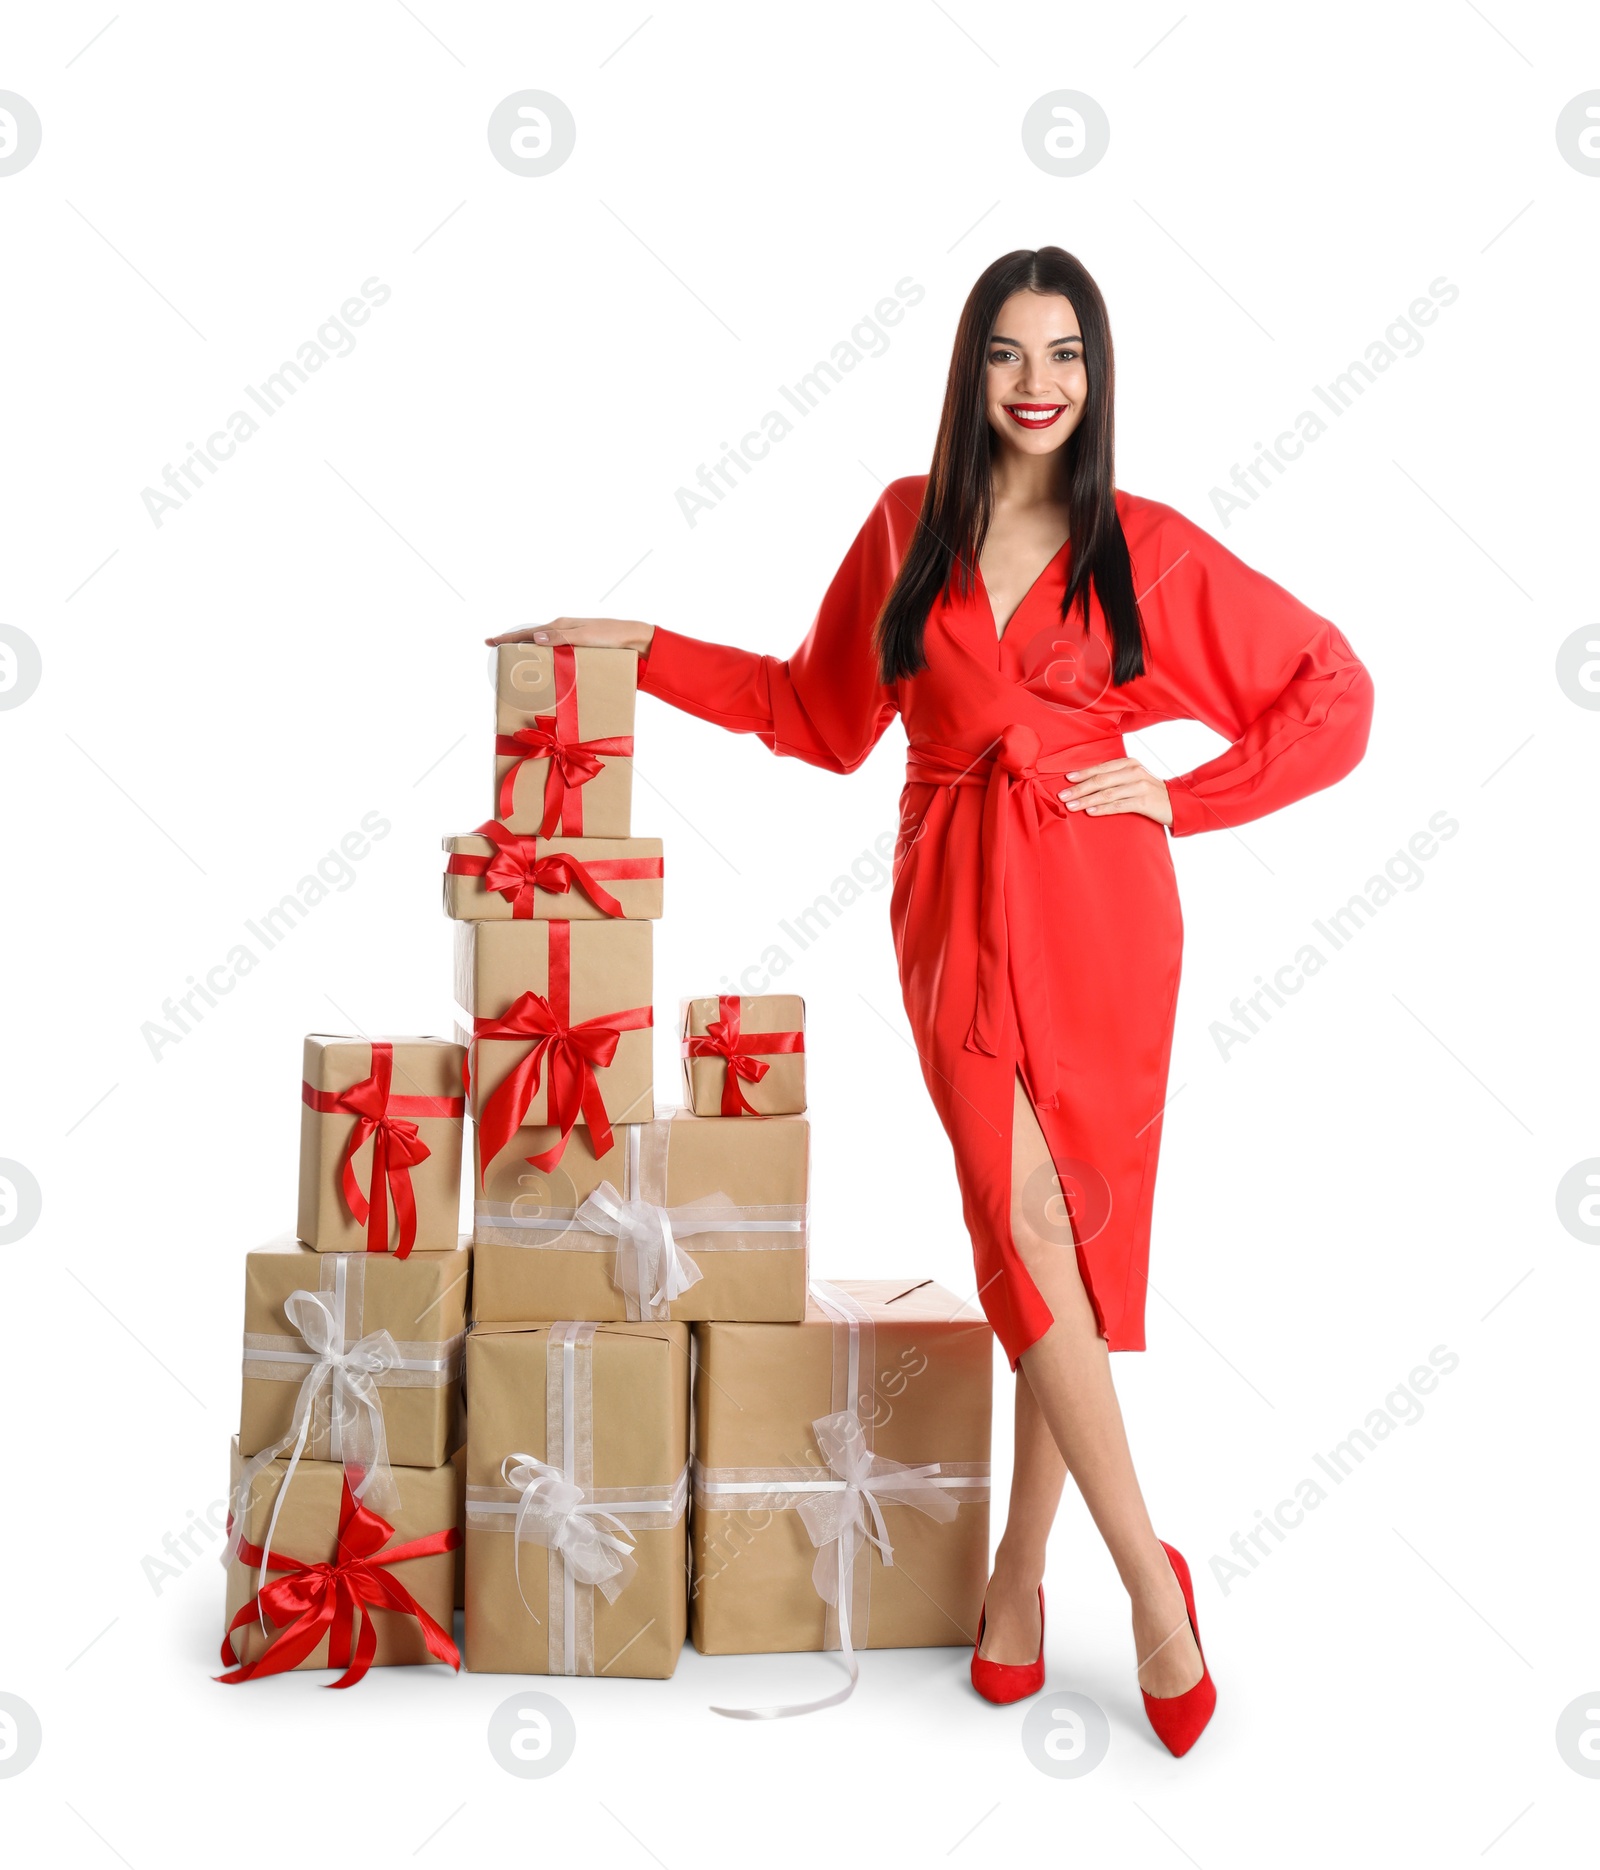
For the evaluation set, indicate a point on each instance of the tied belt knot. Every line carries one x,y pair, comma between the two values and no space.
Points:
1021,785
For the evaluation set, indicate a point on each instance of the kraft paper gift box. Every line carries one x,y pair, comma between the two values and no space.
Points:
577,1483
495,876
744,1054
306,1533
355,1350
881,1376
684,1217
564,740
380,1144
567,1004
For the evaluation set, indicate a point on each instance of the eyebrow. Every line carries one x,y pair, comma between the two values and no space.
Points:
999,337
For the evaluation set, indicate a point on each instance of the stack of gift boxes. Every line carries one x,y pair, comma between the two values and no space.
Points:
670,1427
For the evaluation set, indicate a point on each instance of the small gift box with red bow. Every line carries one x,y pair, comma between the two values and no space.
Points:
495,875
321,1578
744,1055
380,1145
560,1018
564,740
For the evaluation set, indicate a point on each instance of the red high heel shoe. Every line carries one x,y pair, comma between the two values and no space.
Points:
1001,1682
1180,1719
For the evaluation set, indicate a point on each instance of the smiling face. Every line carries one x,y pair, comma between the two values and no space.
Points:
1036,385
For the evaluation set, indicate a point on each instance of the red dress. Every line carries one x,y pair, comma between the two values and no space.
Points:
1029,937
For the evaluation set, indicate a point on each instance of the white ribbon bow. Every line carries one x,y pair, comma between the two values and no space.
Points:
357,1436
838,1520
595,1546
651,1267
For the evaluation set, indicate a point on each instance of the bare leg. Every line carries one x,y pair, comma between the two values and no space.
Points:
1068,1376
1038,1474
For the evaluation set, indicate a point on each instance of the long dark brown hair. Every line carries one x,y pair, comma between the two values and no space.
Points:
954,520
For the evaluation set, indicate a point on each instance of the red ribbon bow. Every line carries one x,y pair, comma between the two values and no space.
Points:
723,1039
326,1599
572,1052
397,1148
516,868
573,762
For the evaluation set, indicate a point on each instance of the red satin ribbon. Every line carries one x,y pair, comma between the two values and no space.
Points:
573,762
571,1052
326,1599
397,1148
723,1039
1021,784
516,868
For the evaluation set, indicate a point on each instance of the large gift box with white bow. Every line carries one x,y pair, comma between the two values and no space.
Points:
841,1475
353,1355
564,740
684,1217
577,1485
380,1144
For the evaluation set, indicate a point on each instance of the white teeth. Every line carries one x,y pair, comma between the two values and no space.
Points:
1038,416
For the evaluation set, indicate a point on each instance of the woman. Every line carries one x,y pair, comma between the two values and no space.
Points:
1039,952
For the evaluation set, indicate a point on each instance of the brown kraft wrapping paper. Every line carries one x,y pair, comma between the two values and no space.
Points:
635,1378
424,1073
924,1391
308,1531
581,697
708,1090
533,1259
421,1302
609,973
493,876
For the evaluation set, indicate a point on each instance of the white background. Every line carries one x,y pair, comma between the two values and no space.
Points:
224,696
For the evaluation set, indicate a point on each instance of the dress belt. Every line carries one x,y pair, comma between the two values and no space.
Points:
1021,783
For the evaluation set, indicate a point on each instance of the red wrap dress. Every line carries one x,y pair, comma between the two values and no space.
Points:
1031,939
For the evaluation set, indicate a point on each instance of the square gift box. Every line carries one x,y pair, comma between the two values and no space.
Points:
380,1144
341,1343
564,740
304,1514
577,1483
561,1015
685,1217
744,1054
882,1377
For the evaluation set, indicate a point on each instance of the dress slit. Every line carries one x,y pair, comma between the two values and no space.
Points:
1084,1275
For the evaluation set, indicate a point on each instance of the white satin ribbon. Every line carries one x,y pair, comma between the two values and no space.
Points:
588,1531
844,1511
651,1268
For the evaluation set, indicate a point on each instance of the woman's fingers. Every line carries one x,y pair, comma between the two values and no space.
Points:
583,632
1118,786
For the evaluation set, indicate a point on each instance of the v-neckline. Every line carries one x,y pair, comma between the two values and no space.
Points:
1000,634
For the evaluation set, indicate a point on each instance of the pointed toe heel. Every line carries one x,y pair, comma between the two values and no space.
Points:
1002,1682
1179,1720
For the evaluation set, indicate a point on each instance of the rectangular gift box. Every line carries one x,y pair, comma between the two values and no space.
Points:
604,1408
307,1530
601,975
579,703
400,1097
713,1084
918,1365
736,1199
495,876
345,1298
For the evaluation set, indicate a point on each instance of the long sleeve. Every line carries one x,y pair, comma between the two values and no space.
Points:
824,704
1226,646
